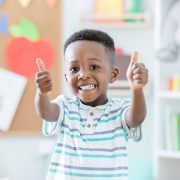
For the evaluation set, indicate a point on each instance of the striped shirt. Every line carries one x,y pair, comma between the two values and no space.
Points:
91,141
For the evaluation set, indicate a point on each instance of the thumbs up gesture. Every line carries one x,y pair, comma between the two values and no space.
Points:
43,79
137,73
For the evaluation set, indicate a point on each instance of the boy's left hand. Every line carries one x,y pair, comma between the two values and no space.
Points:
137,73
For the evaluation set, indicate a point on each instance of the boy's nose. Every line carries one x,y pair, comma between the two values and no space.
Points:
84,74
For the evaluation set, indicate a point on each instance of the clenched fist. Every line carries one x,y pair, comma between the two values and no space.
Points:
43,79
137,73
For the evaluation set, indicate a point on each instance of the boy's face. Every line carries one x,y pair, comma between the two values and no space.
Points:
89,69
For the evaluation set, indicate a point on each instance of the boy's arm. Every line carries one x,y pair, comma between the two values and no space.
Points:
44,108
137,75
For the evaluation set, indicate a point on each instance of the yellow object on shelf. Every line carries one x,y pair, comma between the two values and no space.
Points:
109,7
175,83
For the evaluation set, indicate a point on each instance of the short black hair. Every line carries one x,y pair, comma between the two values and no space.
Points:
92,35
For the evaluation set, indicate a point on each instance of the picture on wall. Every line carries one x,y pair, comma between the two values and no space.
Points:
122,62
11,92
121,85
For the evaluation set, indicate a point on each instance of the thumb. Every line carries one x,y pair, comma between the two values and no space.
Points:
134,58
40,64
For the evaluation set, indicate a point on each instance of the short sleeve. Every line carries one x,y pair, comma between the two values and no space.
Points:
52,128
134,133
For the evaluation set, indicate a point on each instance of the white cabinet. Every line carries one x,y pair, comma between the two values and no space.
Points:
166,110
166,107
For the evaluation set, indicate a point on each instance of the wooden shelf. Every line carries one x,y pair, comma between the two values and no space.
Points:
125,20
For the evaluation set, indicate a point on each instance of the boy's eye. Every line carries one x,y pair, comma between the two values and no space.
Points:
74,69
94,67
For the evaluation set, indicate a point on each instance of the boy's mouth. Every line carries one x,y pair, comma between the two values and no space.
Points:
87,87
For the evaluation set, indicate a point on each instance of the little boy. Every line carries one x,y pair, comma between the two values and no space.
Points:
92,129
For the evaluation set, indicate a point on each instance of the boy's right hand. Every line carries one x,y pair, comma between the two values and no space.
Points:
42,78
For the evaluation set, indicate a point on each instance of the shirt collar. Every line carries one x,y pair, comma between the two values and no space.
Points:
99,107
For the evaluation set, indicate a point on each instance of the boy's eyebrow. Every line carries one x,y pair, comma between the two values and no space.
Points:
76,60
96,59
73,61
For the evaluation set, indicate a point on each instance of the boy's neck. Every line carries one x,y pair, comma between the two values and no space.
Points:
95,103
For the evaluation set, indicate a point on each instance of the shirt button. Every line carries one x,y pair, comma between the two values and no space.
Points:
88,125
91,114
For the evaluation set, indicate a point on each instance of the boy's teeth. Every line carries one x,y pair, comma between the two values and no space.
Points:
87,87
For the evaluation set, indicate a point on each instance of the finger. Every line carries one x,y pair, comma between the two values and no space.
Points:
139,65
139,77
44,86
40,64
134,58
43,80
140,70
42,74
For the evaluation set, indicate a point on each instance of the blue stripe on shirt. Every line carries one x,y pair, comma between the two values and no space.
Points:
91,149
93,139
88,175
90,168
91,155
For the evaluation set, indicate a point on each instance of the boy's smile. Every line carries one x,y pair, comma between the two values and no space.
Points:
88,87
89,69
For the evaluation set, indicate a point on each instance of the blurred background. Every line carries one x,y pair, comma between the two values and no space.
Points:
31,29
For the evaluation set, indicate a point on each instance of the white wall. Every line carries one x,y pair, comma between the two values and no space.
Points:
19,156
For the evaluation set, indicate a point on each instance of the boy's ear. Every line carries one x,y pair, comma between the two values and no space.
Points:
114,74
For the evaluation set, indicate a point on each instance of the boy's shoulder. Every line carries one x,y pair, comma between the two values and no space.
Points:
115,100
64,99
